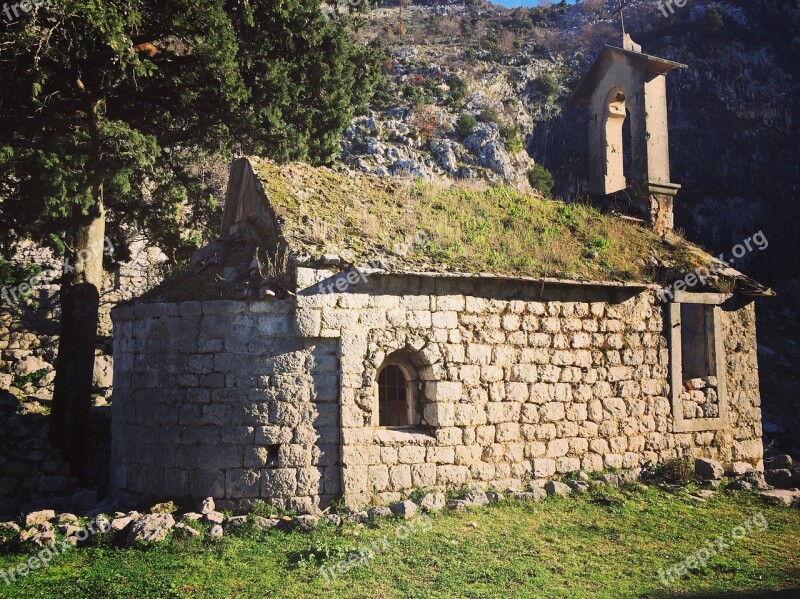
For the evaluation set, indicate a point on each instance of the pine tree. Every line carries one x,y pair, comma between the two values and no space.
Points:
110,105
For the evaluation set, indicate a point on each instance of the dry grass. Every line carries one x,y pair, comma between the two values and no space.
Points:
451,226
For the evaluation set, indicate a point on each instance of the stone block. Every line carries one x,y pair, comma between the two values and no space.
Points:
400,477
708,469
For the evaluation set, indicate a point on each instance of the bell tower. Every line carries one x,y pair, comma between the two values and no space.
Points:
625,92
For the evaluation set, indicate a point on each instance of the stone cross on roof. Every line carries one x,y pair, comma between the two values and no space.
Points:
622,5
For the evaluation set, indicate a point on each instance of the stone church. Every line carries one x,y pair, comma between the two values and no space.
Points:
368,382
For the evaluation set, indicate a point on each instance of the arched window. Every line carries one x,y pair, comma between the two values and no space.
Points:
395,397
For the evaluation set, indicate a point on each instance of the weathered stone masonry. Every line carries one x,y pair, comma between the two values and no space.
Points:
513,381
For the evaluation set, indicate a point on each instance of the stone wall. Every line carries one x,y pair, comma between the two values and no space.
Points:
515,381
222,399
560,378
33,474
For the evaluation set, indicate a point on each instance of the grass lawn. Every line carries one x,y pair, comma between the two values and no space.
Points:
563,547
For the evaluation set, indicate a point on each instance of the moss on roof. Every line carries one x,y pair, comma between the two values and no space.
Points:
456,227
460,227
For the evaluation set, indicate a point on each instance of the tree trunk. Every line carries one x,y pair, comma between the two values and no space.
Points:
80,301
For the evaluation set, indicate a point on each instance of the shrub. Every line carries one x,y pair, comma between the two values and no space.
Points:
14,273
426,119
677,471
541,179
513,138
458,89
465,125
549,84
715,17
489,115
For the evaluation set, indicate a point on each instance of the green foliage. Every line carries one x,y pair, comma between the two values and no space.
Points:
262,508
21,381
541,179
457,492
490,115
715,17
13,273
677,471
458,90
132,96
465,124
549,84
513,138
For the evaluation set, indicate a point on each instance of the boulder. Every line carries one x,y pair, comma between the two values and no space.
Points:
580,486
628,477
306,523
6,380
265,524
9,527
44,539
740,485
494,496
214,517
163,508
476,496
191,516
235,522
612,480
532,495
407,509
781,462
360,517
34,518
457,505
186,530
433,501
737,468
120,523
779,478
207,506
150,528
756,479
555,487
216,531
29,365
380,511
333,519
708,469
781,497
67,518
